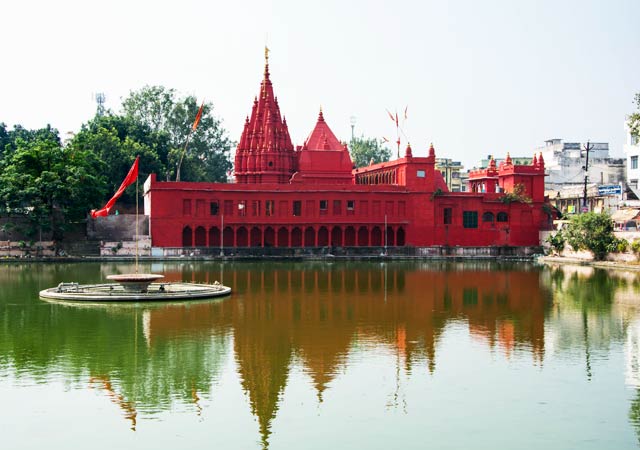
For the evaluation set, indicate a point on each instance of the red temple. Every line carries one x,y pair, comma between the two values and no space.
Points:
311,196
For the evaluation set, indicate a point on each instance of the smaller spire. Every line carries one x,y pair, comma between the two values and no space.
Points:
508,160
492,163
408,153
320,116
432,151
535,160
541,161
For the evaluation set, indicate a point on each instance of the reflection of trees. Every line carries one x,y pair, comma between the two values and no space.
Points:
583,299
634,414
143,357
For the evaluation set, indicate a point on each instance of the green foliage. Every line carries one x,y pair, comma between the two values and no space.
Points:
557,241
519,194
365,151
115,141
165,114
635,247
45,183
633,120
593,232
619,246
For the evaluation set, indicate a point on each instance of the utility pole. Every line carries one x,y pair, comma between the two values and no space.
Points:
352,120
586,176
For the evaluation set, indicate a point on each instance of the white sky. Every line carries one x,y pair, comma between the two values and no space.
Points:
478,77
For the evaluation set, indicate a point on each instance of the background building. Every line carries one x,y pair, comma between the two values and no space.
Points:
452,173
632,151
565,163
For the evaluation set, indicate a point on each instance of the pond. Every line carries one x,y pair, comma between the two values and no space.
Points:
324,355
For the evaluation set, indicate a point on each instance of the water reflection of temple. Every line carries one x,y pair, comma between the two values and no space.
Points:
320,313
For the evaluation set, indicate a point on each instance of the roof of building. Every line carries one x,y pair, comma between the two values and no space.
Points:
624,215
322,138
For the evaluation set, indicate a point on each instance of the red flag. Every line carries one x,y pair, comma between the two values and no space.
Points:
198,116
390,115
130,178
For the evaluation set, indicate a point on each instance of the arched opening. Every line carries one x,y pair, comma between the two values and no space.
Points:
390,237
487,217
201,237
350,237
376,237
336,236
323,237
242,237
502,217
269,237
363,236
309,237
256,237
400,239
187,237
283,237
227,237
296,237
214,237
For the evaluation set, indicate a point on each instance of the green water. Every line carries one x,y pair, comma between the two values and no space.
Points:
326,356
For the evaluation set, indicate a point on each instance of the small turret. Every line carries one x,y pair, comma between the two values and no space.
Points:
508,161
408,153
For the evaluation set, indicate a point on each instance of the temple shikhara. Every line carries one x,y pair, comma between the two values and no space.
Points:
310,195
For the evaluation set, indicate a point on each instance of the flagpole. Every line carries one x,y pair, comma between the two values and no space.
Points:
182,155
193,128
137,225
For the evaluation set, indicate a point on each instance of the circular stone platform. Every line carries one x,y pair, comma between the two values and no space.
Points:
155,292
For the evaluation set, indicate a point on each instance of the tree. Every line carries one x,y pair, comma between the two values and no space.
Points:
159,108
46,184
593,232
116,141
365,150
634,118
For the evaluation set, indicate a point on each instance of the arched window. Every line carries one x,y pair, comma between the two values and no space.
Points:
242,237
487,217
502,217
201,237
283,237
187,237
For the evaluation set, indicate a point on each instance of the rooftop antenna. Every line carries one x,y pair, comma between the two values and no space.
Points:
100,99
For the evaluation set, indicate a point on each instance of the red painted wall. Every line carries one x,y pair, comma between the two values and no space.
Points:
311,196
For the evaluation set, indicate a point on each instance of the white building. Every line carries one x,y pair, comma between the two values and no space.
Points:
565,162
632,151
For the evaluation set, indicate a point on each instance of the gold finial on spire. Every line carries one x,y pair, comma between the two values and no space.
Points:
266,54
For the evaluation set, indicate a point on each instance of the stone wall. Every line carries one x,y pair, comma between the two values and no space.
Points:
126,248
121,227
23,249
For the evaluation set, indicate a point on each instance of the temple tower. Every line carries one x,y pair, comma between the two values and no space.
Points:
265,151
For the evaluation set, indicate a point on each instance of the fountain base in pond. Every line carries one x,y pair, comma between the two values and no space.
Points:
153,292
135,282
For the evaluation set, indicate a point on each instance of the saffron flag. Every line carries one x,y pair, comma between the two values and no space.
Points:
391,115
198,116
130,178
